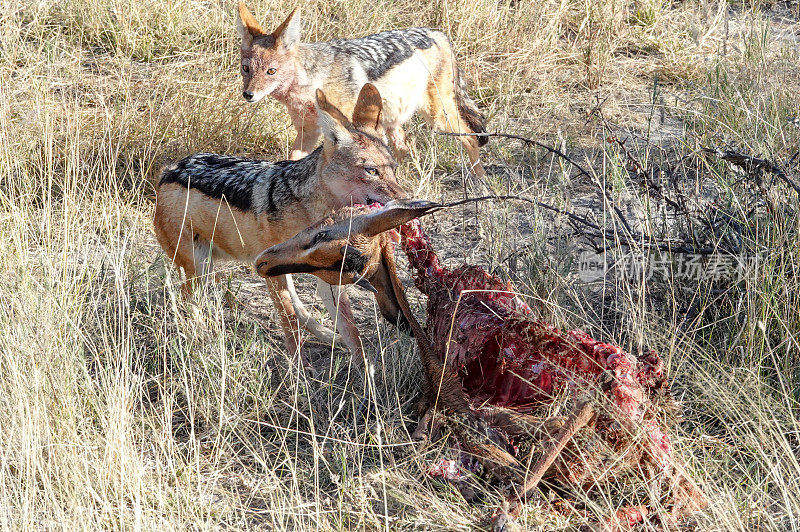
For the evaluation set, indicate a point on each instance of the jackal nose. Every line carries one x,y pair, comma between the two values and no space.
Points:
247,95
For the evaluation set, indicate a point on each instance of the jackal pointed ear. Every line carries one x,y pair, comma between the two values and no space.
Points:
394,214
368,109
288,33
333,123
247,26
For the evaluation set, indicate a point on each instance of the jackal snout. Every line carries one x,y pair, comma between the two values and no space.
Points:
355,150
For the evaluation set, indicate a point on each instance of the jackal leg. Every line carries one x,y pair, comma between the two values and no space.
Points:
320,332
341,312
442,113
397,140
306,139
279,292
191,254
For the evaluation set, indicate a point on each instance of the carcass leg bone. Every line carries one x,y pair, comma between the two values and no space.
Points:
578,418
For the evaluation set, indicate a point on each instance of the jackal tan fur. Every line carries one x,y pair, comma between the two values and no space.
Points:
216,207
414,69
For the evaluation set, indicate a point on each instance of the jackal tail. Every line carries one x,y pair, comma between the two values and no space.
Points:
468,109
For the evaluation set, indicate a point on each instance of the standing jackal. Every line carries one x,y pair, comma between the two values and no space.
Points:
414,69
216,207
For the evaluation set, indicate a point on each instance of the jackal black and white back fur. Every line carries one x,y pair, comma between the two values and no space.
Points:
414,69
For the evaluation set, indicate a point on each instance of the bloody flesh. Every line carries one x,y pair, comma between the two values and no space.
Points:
506,356
502,357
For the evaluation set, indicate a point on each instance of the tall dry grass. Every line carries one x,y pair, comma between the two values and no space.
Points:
122,407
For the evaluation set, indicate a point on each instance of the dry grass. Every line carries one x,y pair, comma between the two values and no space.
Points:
122,407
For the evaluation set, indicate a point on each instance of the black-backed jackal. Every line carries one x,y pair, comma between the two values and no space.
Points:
414,69
216,207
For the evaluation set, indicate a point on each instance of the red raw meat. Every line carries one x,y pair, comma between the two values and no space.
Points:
505,356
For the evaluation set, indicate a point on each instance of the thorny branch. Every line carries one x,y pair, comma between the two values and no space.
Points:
628,240
554,151
716,221
571,215
635,166
753,165
581,170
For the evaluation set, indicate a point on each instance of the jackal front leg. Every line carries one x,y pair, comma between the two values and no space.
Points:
397,140
279,292
306,139
337,303
320,332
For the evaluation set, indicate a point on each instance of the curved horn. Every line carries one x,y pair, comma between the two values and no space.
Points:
394,214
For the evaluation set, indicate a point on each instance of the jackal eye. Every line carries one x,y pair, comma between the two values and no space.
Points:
372,171
271,71
245,69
